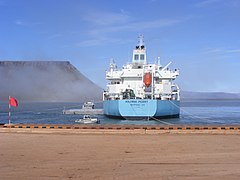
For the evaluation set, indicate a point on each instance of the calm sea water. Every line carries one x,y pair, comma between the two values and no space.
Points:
210,112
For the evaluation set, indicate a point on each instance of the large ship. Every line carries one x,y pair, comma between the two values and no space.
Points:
141,90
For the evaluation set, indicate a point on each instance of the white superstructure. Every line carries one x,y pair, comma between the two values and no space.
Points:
140,80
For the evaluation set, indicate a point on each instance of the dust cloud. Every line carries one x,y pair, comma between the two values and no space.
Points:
45,81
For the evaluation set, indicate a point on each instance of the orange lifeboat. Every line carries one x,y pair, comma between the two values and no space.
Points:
147,79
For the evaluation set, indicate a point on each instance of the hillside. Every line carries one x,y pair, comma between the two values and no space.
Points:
49,81
208,95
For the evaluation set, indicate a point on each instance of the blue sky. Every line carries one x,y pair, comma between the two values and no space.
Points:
200,37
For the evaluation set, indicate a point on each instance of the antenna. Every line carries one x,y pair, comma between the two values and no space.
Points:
159,64
140,42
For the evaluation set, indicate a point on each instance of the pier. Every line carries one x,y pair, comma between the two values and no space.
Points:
118,129
83,111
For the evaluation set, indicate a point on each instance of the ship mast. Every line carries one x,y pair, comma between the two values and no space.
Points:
141,41
139,54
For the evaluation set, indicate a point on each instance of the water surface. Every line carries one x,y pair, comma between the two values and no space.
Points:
194,112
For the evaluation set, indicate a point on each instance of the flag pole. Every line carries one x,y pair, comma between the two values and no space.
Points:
12,102
9,111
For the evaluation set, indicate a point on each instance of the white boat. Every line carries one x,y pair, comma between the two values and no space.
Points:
88,105
87,120
87,108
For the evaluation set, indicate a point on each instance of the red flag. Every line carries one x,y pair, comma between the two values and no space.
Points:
13,101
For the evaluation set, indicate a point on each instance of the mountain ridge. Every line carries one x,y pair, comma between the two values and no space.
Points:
52,81
208,95
55,81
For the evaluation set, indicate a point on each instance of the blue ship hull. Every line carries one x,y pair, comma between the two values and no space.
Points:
141,108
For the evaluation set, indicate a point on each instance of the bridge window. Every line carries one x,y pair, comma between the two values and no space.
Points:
136,57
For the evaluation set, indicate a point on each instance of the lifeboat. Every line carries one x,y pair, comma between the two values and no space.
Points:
147,79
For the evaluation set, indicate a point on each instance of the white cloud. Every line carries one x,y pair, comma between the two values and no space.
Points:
100,41
89,43
224,3
99,36
221,51
101,24
105,18
233,51
57,35
204,3
138,26
19,22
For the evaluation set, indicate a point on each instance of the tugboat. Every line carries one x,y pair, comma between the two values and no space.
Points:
141,90
88,105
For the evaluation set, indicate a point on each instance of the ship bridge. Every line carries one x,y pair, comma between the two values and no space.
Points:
139,54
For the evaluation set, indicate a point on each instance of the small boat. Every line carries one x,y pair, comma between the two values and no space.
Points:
87,108
88,105
87,120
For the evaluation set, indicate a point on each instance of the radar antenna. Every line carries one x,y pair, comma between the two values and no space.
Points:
140,42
